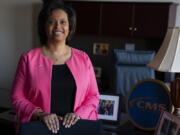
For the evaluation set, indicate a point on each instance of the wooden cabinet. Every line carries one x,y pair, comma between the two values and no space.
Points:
88,13
151,20
143,20
116,19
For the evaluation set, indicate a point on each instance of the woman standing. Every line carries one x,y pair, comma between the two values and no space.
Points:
55,82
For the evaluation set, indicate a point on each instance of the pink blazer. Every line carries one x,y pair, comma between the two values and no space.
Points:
32,85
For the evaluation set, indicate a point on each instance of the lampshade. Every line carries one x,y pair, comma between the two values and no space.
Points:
167,58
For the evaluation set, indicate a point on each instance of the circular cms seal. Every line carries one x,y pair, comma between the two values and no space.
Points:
146,101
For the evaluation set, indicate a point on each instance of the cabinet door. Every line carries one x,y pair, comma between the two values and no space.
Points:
87,17
151,20
116,19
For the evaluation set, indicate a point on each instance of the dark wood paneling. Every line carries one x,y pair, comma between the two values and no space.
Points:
151,20
88,14
116,19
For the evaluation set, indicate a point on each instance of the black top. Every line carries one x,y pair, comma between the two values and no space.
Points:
63,89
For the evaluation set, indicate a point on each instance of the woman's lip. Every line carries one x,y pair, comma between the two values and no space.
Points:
58,32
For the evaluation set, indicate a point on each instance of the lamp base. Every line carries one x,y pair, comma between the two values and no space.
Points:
175,96
176,112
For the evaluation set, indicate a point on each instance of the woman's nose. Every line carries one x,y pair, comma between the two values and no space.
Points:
57,24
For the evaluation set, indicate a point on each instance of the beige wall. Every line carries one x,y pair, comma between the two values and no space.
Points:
16,36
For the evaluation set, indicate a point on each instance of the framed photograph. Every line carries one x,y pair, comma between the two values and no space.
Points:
168,124
108,109
100,48
97,71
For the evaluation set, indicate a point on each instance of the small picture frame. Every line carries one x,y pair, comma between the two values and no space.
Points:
100,48
97,71
168,124
108,109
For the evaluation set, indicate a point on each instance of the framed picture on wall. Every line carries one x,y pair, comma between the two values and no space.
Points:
168,124
97,71
100,48
108,109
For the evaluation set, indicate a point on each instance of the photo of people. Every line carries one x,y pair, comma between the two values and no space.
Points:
168,127
106,107
169,124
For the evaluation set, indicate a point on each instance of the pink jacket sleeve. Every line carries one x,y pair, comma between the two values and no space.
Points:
18,95
90,104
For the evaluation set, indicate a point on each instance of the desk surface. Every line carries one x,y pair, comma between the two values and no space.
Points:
8,115
7,121
126,129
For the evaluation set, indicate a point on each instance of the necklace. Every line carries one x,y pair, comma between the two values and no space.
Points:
56,57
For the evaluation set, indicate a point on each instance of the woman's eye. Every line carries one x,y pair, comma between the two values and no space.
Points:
51,22
63,22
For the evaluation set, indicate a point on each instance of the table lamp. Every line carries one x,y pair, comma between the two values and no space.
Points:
167,59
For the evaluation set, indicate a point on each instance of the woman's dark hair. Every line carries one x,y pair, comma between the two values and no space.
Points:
48,7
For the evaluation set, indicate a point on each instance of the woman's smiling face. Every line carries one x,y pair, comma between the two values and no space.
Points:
57,26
